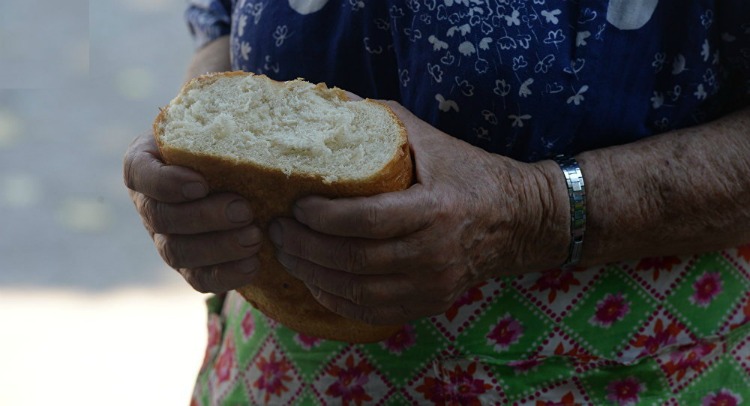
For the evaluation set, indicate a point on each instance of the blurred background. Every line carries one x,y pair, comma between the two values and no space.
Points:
89,315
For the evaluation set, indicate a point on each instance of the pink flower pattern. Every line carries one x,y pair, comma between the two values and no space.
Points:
555,280
612,308
723,397
225,363
461,387
401,341
625,392
470,296
706,288
506,332
657,264
214,337
686,358
248,325
662,338
274,375
350,382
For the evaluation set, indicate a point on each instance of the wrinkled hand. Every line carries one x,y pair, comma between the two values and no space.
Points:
399,256
208,238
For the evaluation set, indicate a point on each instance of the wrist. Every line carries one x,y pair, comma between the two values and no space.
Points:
535,214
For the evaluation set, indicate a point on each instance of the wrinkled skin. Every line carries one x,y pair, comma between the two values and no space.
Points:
209,239
391,258
399,256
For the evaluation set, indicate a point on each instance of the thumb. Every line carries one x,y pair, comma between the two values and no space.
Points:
383,216
421,133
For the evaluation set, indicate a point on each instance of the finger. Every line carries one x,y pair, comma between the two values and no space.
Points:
381,216
353,255
429,146
195,251
419,132
222,277
365,290
380,315
214,213
373,290
146,173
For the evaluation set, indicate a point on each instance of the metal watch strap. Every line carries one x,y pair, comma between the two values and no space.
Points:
577,197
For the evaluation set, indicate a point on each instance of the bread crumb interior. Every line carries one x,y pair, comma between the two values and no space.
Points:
295,128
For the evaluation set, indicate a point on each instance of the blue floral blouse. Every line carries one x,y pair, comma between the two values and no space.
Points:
526,79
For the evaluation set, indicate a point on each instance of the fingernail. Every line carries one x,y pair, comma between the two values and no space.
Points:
239,212
274,233
194,190
249,237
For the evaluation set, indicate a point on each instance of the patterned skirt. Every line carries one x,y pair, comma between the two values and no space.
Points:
672,330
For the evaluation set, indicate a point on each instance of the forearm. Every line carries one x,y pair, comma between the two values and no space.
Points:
213,57
682,192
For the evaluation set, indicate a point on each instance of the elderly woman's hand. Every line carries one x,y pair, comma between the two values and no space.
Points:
208,238
404,255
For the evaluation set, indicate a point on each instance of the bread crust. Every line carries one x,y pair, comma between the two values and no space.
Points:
272,194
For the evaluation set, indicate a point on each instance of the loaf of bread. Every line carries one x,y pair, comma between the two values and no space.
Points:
274,143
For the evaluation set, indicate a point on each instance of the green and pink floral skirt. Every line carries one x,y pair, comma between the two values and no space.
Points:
656,331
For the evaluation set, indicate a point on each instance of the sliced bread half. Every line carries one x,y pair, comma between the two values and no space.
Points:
274,143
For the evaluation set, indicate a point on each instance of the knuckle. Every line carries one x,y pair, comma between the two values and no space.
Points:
171,251
370,218
161,216
353,258
149,210
212,279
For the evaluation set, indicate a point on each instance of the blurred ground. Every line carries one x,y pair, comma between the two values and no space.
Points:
88,311
124,348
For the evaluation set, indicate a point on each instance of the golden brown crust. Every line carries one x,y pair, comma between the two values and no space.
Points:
276,293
